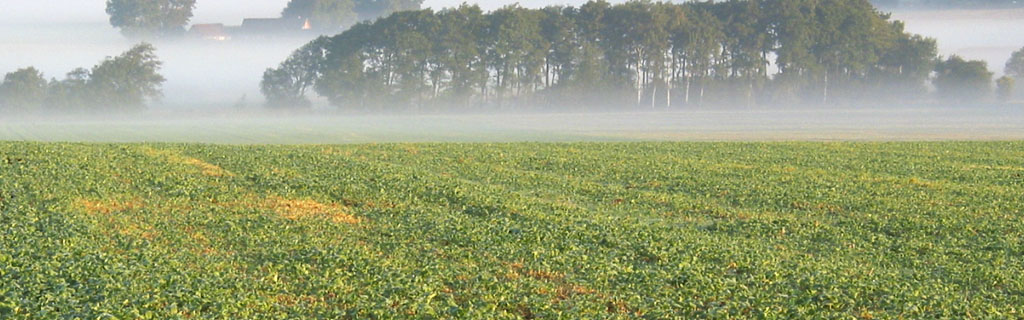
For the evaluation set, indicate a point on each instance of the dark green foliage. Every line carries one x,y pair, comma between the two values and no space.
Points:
71,93
961,80
23,90
121,83
150,18
1004,88
512,231
286,85
636,54
126,81
1015,65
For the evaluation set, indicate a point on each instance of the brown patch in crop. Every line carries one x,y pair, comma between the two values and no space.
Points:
206,168
617,306
525,312
564,290
517,270
545,275
294,209
138,231
106,206
201,244
300,209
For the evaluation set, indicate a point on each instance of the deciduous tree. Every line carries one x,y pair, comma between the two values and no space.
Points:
963,80
23,90
150,18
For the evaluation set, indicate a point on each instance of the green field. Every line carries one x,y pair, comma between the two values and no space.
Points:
520,230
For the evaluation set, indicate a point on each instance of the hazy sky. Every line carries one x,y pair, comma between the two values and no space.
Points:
228,11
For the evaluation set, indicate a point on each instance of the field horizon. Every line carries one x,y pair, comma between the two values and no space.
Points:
993,122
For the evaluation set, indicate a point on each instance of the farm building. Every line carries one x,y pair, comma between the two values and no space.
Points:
209,31
251,28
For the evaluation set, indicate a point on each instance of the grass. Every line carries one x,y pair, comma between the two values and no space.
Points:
516,230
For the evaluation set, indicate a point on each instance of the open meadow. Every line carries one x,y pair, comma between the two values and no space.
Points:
656,230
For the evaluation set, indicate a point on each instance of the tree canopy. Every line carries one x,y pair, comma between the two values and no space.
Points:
639,53
121,83
959,80
333,16
1015,65
23,90
150,18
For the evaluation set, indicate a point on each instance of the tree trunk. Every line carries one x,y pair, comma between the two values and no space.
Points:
639,87
654,94
668,95
824,96
686,97
750,92
700,100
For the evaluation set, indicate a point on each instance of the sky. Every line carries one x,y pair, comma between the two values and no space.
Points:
227,11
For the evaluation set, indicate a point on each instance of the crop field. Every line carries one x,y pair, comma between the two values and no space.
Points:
512,231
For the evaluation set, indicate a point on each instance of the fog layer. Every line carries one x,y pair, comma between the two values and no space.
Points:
217,75
989,35
202,74
1001,123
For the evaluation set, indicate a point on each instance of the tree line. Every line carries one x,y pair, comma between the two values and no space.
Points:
636,54
117,84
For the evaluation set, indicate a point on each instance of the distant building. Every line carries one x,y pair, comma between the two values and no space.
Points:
210,31
251,28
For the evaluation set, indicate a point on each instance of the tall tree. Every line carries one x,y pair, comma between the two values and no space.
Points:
515,50
127,81
903,69
72,93
557,28
150,18
286,85
1015,65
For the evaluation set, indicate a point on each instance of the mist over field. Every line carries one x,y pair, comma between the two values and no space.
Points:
218,82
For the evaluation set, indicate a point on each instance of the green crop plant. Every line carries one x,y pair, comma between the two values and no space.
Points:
512,231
